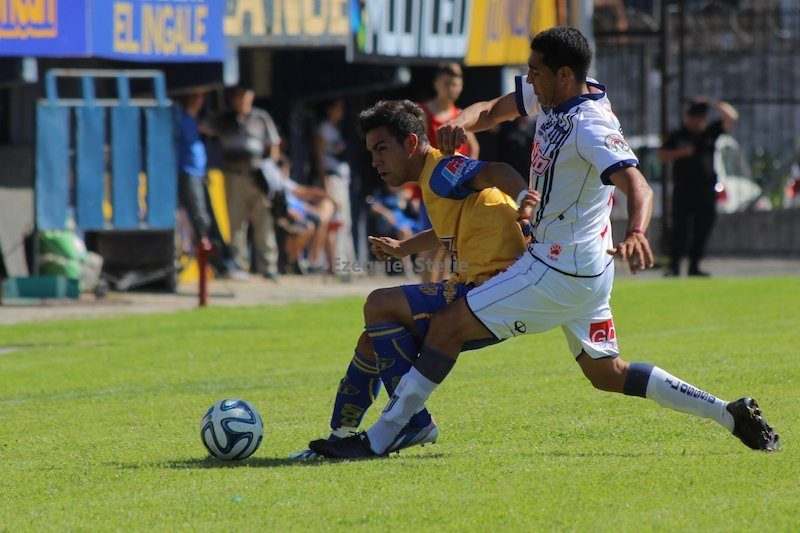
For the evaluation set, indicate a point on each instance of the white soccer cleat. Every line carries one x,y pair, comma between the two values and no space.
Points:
411,436
304,455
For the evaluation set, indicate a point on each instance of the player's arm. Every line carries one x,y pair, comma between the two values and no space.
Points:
500,175
385,247
457,177
635,249
728,114
479,116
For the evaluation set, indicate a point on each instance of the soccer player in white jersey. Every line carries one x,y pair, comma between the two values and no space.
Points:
565,277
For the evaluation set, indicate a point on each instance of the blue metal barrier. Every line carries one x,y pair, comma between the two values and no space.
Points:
127,143
52,166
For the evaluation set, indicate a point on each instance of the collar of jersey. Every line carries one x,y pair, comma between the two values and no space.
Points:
572,102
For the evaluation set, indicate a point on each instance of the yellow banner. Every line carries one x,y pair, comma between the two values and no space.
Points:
501,30
312,22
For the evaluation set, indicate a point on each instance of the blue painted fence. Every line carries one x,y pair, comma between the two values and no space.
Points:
133,149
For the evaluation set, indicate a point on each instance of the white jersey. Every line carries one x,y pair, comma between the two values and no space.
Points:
577,146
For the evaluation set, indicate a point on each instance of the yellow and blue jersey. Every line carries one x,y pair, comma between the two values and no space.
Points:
479,227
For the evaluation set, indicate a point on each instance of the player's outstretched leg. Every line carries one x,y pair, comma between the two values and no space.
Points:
396,349
742,417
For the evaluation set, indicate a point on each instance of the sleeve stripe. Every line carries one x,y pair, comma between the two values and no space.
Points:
520,96
605,177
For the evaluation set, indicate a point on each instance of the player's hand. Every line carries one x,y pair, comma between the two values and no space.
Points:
635,249
386,247
528,204
450,136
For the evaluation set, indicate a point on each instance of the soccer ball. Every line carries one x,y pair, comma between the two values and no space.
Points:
231,430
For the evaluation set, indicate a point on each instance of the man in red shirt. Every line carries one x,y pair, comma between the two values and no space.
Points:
448,82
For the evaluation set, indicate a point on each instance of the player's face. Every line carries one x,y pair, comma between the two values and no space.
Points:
449,87
390,157
543,80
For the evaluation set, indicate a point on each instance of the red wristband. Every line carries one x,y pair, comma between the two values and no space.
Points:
634,230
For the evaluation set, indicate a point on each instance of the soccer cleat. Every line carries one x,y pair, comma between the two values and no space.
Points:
355,447
414,436
310,455
304,455
751,428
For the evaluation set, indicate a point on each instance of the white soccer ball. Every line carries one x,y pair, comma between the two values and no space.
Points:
231,430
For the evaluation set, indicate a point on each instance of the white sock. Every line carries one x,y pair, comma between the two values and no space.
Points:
408,399
669,391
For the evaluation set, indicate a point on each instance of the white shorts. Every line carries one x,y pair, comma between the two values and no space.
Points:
530,297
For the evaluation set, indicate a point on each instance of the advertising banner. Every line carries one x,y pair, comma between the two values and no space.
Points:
407,30
133,30
43,28
158,30
312,23
501,30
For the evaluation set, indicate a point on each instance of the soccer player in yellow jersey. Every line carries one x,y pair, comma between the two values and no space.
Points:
473,208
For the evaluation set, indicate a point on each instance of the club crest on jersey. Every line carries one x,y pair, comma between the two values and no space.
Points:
601,332
555,251
616,143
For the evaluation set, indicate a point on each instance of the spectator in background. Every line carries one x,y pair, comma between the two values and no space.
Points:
192,167
448,83
247,135
395,216
334,174
309,211
691,150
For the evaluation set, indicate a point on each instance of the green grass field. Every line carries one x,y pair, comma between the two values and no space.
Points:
99,424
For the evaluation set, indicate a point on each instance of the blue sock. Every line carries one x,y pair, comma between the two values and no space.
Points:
396,350
357,390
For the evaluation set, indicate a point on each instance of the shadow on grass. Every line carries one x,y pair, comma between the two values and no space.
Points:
254,462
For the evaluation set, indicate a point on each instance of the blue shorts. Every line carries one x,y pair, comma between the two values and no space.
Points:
425,299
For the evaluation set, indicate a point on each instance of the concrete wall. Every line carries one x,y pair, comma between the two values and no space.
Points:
763,233
16,205
769,233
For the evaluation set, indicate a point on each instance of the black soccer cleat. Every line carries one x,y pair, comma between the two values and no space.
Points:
355,447
751,428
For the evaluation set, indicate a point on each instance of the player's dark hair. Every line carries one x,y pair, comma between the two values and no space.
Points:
400,117
563,46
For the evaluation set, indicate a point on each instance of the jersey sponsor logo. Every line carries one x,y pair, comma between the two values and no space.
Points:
458,167
600,332
616,143
539,162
